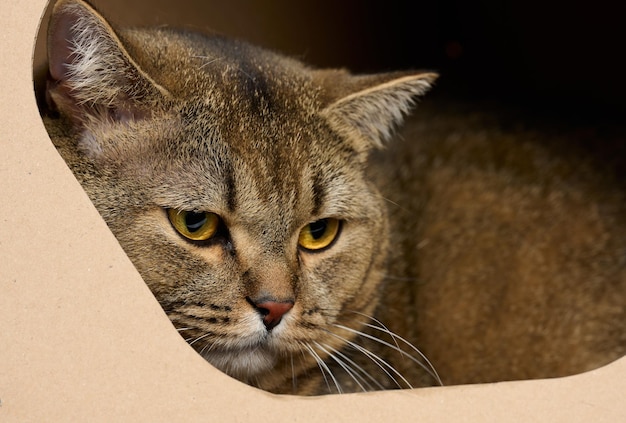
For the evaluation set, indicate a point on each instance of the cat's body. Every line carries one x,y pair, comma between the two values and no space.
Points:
499,259
514,241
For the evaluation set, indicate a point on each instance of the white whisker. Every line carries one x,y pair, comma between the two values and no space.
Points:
208,347
204,349
426,368
342,365
322,365
207,62
390,201
294,379
361,370
200,338
376,359
382,325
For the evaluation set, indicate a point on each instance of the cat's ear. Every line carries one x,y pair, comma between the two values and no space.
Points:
367,109
91,75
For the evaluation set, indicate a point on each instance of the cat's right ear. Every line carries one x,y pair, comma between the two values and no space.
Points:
367,109
91,75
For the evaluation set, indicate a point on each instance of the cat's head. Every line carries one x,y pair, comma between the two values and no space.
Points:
234,178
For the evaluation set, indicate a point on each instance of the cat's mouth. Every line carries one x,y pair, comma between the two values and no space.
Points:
249,356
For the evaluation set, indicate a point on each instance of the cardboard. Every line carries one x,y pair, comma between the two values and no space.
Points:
83,339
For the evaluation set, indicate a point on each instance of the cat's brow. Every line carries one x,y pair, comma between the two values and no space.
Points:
230,193
319,192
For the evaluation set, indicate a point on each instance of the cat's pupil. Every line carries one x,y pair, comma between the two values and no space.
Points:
195,221
318,228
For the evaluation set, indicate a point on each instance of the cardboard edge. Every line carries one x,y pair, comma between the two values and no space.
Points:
83,338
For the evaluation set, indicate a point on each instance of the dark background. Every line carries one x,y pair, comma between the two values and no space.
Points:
554,58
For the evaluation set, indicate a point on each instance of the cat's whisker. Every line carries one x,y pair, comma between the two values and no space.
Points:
343,365
393,202
376,360
357,368
387,368
428,367
403,353
294,379
203,350
207,63
318,360
207,348
200,338
324,369
304,361
382,325
187,339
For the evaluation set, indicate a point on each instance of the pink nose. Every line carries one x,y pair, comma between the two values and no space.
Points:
273,312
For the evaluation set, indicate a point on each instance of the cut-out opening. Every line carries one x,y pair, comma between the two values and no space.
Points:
221,311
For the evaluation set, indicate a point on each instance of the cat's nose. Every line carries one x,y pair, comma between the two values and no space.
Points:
272,312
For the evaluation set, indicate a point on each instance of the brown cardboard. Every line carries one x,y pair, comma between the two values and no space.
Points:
82,338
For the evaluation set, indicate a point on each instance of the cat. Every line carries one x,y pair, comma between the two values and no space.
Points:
303,246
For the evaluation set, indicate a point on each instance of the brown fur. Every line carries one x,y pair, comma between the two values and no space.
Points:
491,253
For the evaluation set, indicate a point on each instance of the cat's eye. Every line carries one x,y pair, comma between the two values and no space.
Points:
196,226
319,234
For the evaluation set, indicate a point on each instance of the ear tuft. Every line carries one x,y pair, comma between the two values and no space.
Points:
378,106
89,67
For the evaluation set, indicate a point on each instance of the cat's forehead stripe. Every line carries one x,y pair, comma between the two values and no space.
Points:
231,190
319,193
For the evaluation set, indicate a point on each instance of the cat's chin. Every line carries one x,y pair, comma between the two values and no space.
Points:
242,364
249,357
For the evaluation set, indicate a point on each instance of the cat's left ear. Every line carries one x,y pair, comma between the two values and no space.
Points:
367,109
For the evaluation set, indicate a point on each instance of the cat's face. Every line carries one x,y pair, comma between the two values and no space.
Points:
289,219
235,181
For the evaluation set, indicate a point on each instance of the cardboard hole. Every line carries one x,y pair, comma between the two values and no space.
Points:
138,19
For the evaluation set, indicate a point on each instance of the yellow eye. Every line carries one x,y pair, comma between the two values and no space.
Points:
319,234
196,226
